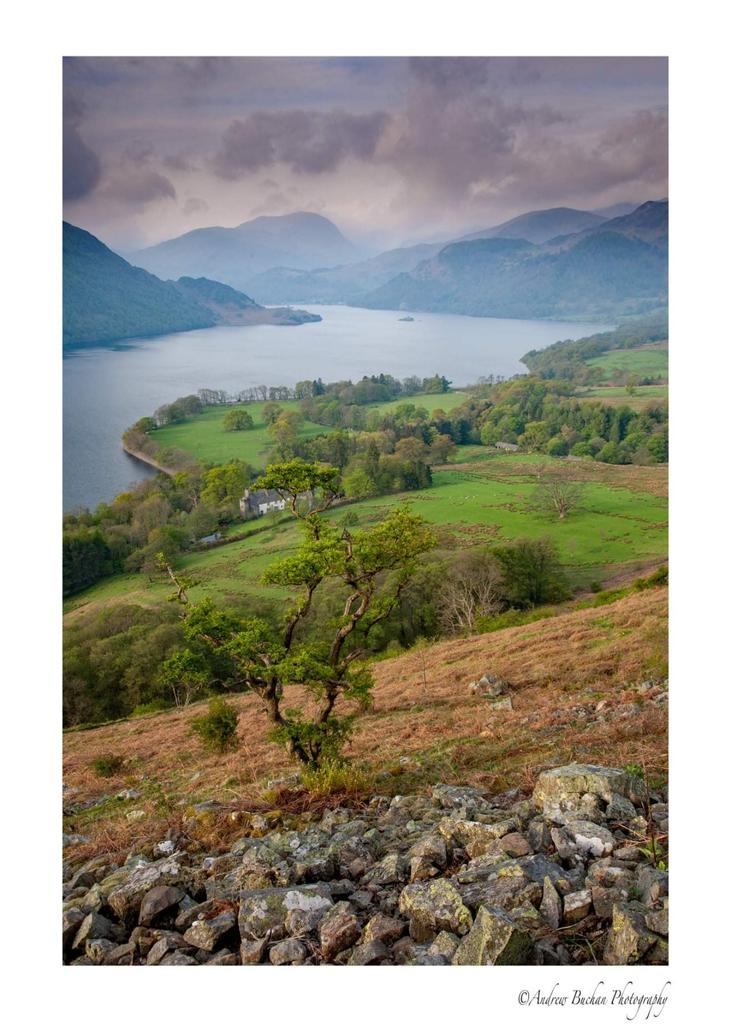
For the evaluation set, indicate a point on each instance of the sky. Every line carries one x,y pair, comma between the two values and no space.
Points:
393,150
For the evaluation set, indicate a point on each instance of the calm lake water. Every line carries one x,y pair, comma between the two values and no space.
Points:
107,389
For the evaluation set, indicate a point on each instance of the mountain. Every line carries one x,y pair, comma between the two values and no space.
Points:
540,225
616,210
338,284
353,281
303,241
616,267
106,299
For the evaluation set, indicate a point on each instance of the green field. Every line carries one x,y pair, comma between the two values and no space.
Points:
488,501
649,361
203,436
649,394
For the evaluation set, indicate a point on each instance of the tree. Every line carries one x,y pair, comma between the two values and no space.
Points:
532,572
271,412
370,570
472,586
238,419
556,492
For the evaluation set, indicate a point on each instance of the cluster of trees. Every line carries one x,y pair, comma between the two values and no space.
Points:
567,360
165,514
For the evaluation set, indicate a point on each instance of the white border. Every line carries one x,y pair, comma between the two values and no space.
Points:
34,42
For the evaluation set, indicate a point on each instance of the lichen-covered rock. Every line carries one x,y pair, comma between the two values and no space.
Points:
369,954
207,933
382,926
166,944
252,950
446,944
288,951
96,926
494,939
591,838
475,837
561,789
263,912
629,937
432,907
551,904
339,929
126,899
576,906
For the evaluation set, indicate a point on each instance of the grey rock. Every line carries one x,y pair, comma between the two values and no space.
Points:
551,905
384,928
629,937
96,926
178,959
591,839
263,912
432,907
288,951
169,943
576,906
207,933
368,954
252,950
494,939
157,901
121,956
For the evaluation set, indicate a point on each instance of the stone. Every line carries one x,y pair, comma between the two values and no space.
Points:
434,906
565,847
446,944
209,932
657,921
475,837
339,929
157,901
488,686
252,950
121,956
168,943
502,704
388,871
564,787
467,799
386,929
126,899
289,951
263,912
515,844
629,938
576,906
652,883
368,954
590,838
620,808
178,959
604,899
551,906
224,958
494,939
96,926
71,921
97,949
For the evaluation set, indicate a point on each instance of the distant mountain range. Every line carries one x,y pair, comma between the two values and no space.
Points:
302,241
106,299
615,267
540,225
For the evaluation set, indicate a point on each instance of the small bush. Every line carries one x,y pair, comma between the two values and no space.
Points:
150,708
658,578
107,765
217,728
595,586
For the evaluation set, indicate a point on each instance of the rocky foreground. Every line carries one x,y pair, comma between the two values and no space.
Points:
454,877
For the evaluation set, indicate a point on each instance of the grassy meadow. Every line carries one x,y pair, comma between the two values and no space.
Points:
645,361
621,521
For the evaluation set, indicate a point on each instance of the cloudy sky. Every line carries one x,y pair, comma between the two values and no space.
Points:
394,150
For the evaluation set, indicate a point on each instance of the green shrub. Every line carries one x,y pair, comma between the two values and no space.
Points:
217,728
107,765
658,578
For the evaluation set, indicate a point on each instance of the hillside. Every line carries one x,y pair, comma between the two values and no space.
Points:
585,685
236,255
540,225
106,299
616,268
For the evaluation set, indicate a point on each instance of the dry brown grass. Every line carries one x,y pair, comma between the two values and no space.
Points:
558,669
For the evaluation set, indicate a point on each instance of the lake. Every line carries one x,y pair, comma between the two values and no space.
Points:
107,389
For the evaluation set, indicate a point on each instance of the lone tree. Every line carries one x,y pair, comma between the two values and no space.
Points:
472,587
556,492
370,570
238,419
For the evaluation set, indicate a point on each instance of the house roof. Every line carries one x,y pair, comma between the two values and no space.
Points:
263,497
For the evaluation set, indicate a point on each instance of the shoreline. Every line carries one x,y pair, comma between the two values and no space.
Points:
148,459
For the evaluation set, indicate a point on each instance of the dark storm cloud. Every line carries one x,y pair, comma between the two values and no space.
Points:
309,142
81,165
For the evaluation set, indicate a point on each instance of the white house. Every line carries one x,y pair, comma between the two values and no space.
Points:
258,503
